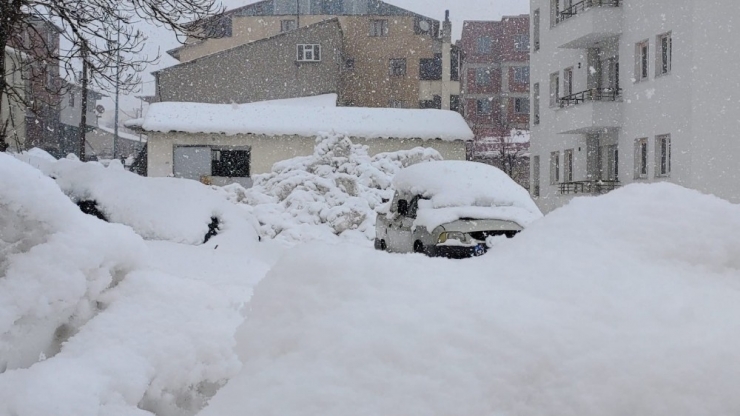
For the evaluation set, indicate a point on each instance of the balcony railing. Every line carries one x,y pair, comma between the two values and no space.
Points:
584,5
596,187
594,94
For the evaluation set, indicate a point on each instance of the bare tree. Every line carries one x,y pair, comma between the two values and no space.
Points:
100,32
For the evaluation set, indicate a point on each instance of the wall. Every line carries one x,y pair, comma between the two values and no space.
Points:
259,70
16,133
267,150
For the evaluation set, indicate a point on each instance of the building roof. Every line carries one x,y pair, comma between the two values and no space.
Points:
266,118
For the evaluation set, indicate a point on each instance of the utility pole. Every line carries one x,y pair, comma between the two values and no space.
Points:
118,86
83,106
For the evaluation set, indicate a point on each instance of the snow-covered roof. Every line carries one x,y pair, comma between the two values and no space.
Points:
123,134
460,189
305,120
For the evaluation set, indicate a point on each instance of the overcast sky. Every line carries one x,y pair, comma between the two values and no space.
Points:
460,10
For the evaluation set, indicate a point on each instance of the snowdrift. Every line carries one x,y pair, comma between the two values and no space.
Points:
91,320
621,304
335,191
173,209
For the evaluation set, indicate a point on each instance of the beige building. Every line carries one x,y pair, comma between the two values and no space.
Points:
13,113
230,143
389,57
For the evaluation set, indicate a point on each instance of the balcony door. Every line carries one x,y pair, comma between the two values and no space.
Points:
610,74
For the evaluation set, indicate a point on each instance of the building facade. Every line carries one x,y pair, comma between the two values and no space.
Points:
625,91
390,57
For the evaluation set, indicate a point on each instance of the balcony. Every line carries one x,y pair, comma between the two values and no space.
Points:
589,112
588,23
595,187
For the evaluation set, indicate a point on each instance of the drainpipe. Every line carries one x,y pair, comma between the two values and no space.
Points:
446,61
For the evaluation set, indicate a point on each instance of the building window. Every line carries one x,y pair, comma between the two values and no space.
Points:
536,29
455,103
398,67
568,168
287,25
663,155
397,104
483,45
484,106
536,98
72,99
308,53
554,89
665,54
521,74
378,28
611,153
521,105
482,76
554,168
535,176
349,64
568,82
642,61
521,42
641,158
230,163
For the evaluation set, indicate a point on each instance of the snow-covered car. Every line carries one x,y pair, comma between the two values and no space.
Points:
452,209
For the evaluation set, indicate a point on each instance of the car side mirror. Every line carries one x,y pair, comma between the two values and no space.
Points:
403,207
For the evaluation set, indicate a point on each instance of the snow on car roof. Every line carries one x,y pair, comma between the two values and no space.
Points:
306,120
459,189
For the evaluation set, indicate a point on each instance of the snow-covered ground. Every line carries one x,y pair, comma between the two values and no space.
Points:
621,304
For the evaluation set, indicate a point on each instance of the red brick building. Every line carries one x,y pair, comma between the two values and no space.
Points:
495,75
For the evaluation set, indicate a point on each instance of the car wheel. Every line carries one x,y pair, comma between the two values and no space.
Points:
418,247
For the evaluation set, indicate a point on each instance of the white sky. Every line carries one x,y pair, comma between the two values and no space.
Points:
161,40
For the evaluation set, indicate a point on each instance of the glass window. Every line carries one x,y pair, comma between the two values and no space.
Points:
398,67
482,76
484,106
483,45
378,28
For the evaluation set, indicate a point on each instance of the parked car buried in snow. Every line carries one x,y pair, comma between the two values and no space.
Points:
452,209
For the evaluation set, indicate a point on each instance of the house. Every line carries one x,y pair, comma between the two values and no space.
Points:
13,114
39,40
388,56
626,91
70,114
99,142
222,143
495,75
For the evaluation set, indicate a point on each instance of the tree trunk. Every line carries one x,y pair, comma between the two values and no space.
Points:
83,106
3,94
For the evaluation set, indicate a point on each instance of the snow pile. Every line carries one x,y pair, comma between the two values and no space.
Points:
335,191
460,189
615,305
173,209
307,121
96,321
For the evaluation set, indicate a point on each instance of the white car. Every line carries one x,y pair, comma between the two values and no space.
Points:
452,209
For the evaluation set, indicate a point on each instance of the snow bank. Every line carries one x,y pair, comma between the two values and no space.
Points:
615,305
460,189
96,321
308,121
335,191
173,209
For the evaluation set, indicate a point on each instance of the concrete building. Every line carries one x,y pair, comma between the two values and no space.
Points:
13,114
390,57
626,91
495,75
70,114
230,143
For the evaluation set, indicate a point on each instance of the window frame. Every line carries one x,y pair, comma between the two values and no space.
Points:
555,167
535,176
663,156
568,165
663,54
378,28
483,45
302,49
395,70
641,158
521,75
536,103
484,74
519,44
568,81
642,61
479,106
284,23
554,89
536,30
217,153
518,103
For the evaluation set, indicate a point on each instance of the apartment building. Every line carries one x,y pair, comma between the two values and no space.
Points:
627,91
389,57
495,75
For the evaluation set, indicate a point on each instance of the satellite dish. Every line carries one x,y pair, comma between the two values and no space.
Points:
100,109
424,26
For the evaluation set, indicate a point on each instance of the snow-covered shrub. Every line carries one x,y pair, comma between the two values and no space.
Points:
335,191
